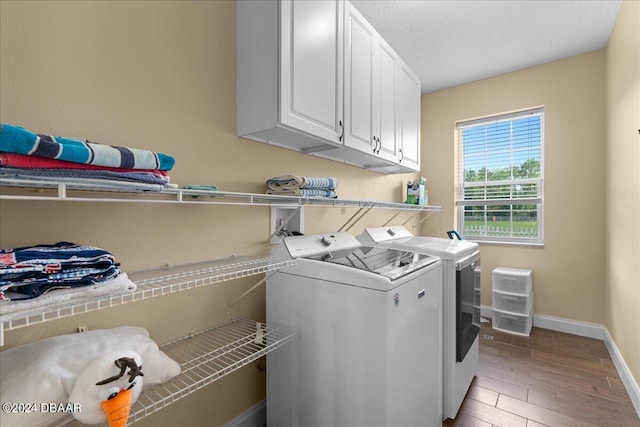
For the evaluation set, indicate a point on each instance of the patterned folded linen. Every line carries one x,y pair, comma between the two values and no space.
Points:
16,139
34,270
33,288
286,182
304,193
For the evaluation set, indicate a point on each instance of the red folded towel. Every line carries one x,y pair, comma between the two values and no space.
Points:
36,162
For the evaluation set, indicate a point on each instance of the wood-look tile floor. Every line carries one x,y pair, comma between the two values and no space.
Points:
547,379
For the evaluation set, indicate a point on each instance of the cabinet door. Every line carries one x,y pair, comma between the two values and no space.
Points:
385,123
360,39
408,98
311,67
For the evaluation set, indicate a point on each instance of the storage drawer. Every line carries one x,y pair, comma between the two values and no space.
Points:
512,323
514,303
512,280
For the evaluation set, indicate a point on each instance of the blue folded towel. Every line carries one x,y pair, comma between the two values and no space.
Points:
16,139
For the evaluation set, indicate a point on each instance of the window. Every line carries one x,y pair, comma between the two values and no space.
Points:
500,178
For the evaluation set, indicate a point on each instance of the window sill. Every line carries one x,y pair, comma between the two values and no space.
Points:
511,244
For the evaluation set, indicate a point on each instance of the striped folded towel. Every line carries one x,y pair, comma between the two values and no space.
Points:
16,139
286,182
24,161
303,192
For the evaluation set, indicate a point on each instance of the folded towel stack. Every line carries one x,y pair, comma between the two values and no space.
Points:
31,271
30,156
12,309
294,185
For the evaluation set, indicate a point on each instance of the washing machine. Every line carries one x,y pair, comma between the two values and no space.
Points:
367,350
461,304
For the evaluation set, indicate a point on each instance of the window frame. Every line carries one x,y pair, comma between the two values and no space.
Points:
488,202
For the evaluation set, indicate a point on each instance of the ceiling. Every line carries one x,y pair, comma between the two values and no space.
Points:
451,42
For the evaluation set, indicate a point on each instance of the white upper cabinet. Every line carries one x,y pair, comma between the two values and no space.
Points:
311,67
314,76
408,101
385,111
359,42
369,89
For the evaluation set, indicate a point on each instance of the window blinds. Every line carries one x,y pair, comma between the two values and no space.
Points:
500,176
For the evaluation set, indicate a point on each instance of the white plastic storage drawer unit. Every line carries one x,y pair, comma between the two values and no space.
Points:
514,303
512,300
519,324
512,280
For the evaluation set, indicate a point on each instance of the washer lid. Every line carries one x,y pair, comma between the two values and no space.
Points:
400,238
390,263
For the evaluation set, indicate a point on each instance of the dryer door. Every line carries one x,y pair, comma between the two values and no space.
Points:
467,318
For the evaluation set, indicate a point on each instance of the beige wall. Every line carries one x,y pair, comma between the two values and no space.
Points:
568,273
161,76
156,75
623,185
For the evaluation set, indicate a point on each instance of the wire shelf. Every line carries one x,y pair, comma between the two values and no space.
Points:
58,191
153,283
207,356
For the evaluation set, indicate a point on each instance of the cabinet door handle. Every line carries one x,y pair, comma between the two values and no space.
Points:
375,144
341,131
401,155
379,146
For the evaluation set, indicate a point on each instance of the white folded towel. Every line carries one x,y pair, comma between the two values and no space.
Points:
23,308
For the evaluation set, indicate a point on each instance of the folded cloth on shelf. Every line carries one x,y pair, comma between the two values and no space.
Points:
201,187
97,184
286,182
331,194
145,177
23,161
16,139
59,298
34,270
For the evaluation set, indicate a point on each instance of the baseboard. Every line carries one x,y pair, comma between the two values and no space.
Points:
589,330
626,377
486,311
256,416
575,327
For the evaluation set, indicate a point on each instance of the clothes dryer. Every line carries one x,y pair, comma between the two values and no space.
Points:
461,304
368,329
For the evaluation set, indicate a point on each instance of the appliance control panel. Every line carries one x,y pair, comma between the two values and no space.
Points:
384,234
315,244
